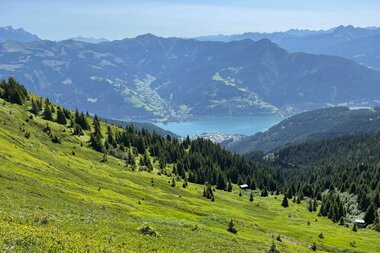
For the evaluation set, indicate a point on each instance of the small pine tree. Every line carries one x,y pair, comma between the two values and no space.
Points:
48,115
229,186
370,214
315,204
264,193
310,205
77,130
273,248
251,197
285,202
314,247
184,185
231,227
35,109
61,119
173,182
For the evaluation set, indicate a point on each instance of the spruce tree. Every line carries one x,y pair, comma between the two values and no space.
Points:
285,202
35,108
61,119
97,129
370,214
315,204
229,186
184,185
96,142
221,181
231,227
264,193
77,129
251,197
48,115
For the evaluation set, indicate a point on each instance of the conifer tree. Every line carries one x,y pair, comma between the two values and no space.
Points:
97,129
77,129
184,185
310,205
61,119
47,111
251,197
264,193
96,142
370,214
35,108
231,227
315,204
131,158
285,202
229,186
81,120
221,182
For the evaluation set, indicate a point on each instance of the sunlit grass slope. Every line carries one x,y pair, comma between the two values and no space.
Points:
62,198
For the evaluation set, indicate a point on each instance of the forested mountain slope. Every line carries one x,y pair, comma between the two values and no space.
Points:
312,125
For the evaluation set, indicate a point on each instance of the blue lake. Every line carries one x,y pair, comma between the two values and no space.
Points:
247,125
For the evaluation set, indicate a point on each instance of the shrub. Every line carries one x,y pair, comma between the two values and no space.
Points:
314,247
321,236
148,230
273,248
195,228
231,227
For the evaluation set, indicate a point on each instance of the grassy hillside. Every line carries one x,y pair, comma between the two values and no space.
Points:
62,198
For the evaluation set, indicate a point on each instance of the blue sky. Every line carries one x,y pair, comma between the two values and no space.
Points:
116,19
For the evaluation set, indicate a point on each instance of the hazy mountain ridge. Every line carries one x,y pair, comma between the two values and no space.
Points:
359,44
10,33
89,39
150,77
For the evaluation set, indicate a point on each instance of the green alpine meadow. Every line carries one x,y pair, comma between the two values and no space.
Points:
66,189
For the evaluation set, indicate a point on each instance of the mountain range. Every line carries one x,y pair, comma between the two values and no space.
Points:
359,44
156,78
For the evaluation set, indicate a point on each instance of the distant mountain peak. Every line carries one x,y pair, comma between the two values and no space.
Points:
147,36
343,28
17,34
